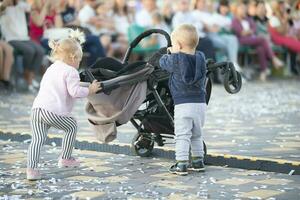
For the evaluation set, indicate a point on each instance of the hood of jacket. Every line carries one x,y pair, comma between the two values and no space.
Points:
193,72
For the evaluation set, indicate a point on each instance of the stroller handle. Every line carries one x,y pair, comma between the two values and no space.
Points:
143,35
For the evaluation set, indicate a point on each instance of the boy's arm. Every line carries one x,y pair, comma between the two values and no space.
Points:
168,62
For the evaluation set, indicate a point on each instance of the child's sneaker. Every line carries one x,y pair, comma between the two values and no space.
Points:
197,165
180,168
33,174
71,162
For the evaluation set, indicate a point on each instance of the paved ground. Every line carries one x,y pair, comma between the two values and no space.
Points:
262,120
112,176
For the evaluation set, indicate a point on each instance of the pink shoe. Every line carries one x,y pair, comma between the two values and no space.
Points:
33,174
71,162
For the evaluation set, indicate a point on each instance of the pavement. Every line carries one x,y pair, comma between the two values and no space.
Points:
262,120
116,176
259,123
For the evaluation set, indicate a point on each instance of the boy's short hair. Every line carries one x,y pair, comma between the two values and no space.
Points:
186,34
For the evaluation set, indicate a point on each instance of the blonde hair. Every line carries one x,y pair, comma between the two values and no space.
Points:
69,48
186,35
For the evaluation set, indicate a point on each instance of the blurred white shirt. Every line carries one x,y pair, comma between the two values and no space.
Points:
221,20
84,15
245,25
122,24
188,18
143,18
274,22
13,22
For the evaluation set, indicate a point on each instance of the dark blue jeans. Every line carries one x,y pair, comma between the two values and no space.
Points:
93,46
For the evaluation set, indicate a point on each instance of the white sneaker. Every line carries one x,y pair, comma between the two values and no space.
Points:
32,89
33,174
277,63
35,84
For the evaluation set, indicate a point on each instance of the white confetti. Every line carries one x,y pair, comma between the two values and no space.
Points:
291,172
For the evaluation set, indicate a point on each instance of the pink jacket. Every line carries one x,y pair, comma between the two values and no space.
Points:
59,88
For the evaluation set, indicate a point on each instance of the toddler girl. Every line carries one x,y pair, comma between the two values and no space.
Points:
53,105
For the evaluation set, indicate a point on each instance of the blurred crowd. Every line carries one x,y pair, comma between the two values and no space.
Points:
266,33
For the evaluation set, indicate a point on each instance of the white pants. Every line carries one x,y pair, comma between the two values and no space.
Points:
189,119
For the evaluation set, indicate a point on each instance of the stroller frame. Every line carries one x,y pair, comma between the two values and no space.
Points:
143,142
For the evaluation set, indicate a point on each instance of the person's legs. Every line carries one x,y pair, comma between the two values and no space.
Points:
206,46
94,47
45,44
288,42
28,53
106,41
262,57
293,63
197,131
291,43
232,46
266,49
8,59
218,42
39,136
271,55
67,124
183,132
258,43
38,55
68,142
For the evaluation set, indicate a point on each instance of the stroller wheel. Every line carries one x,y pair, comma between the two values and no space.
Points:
230,85
142,145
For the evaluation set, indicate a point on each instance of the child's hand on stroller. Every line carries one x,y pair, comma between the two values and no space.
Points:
94,87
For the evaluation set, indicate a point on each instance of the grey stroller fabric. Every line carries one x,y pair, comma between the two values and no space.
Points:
105,110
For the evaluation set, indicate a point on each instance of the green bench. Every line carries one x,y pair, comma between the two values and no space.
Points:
135,30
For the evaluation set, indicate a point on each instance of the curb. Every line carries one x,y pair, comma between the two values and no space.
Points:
234,161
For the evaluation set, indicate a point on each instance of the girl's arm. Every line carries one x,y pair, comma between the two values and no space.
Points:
75,88
73,85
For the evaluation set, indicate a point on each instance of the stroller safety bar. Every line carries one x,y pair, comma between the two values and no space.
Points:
137,40
123,80
145,34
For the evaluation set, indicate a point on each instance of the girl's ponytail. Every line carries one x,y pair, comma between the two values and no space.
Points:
67,48
53,44
77,35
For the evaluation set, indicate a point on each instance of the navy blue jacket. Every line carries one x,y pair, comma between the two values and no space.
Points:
187,80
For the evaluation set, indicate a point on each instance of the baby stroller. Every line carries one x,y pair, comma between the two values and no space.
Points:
154,119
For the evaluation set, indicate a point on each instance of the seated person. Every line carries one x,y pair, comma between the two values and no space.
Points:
6,61
14,29
245,29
